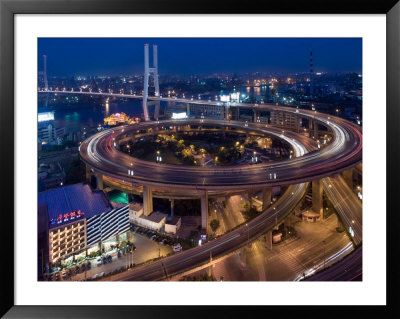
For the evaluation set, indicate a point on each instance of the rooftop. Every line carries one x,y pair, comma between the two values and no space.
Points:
135,206
154,217
173,221
71,202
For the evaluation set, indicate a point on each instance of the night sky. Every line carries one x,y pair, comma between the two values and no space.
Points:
183,56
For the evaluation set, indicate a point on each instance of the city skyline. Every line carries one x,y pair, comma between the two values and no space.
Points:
184,56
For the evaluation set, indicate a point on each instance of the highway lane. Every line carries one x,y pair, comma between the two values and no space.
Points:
220,246
346,203
348,269
344,151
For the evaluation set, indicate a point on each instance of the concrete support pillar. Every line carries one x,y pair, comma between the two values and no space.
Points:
317,204
99,178
237,113
315,125
188,110
266,197
250,196
204,209
348,177
172,206
88,174
147,200
156,110
297,127
256,114
269,240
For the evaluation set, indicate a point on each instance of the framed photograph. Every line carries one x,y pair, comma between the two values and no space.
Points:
159,155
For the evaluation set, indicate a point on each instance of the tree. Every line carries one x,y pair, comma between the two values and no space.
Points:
214,224
250,213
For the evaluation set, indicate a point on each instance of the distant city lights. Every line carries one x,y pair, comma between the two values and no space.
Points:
178,116
46,116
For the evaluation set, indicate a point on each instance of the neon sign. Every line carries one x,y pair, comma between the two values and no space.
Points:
63,218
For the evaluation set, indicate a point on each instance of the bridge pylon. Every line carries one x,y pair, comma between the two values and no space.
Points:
147,72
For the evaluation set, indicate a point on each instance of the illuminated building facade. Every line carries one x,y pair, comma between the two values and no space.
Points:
116,118
67,210
66,240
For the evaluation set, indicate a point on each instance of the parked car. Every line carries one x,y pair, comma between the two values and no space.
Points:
104,260
119,254
109,258
99,261
95,276
89,265
101,274
177,247
154,237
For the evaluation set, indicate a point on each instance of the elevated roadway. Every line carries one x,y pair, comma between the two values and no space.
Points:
100,153
347,205
179,262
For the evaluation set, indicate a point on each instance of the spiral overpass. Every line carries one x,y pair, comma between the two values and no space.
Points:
345,151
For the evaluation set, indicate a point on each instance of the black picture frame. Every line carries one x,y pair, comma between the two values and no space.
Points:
9,8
